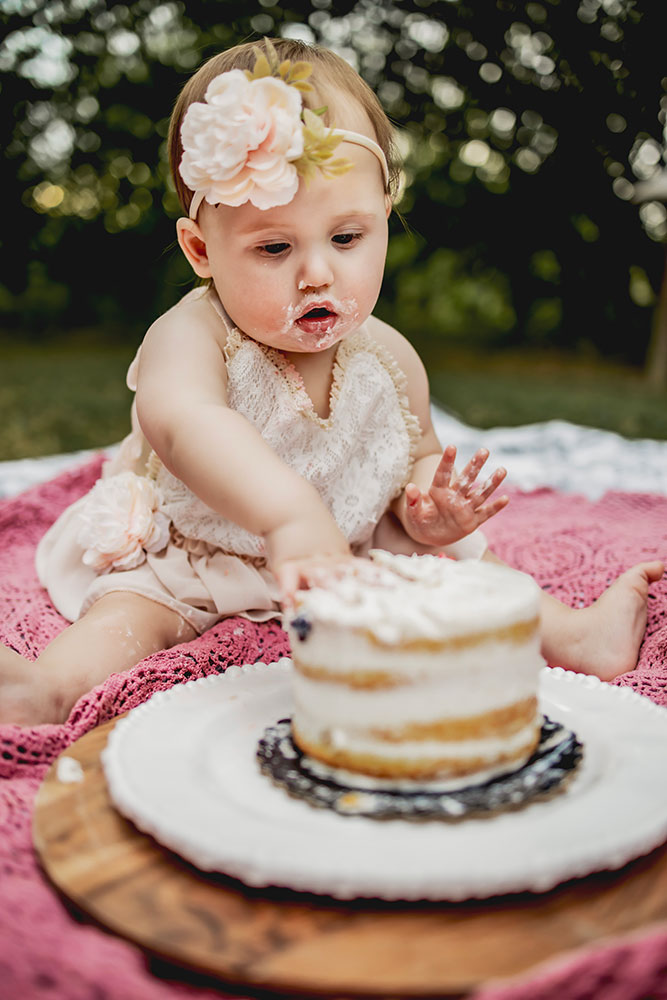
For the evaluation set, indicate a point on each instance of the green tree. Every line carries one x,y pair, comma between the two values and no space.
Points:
524,126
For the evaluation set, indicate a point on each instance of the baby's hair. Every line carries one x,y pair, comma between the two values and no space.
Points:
330,74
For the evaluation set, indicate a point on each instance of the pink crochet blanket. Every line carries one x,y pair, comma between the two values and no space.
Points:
572,546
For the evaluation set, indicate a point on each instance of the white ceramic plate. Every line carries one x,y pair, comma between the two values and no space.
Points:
182,767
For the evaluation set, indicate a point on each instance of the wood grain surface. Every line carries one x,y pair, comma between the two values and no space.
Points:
299,944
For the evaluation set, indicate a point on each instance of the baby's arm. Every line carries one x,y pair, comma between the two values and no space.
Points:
183,411
438,506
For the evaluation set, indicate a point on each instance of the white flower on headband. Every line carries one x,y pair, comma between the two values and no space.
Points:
240,145
250,140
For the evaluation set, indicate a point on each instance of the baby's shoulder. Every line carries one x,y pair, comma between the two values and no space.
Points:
191,320
398,346
185,345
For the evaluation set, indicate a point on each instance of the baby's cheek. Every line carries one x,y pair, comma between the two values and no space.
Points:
365,280
262,310
265,312
365,294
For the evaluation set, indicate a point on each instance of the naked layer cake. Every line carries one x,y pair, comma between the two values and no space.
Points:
418,668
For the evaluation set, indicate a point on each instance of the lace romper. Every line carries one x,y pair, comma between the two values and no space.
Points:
206,567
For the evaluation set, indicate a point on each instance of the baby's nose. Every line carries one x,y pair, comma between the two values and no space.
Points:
315,272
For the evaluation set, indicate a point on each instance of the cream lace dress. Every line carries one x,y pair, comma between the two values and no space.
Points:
359,458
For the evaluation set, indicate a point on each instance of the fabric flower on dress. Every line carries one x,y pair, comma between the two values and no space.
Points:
247,141
120,522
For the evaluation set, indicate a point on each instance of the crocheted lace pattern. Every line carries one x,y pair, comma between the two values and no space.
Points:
573,547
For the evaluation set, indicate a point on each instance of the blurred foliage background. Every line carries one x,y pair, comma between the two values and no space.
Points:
527,129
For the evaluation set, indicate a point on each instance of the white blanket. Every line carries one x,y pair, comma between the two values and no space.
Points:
565,456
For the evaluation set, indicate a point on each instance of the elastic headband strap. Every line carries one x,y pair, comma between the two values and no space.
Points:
355,137
362,140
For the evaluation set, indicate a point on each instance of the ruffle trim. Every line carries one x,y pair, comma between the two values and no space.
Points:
234,342
198,547
153,466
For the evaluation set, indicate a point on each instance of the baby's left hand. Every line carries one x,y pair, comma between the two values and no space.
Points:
453,506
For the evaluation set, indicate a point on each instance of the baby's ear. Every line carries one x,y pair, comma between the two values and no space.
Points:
192,243
388,204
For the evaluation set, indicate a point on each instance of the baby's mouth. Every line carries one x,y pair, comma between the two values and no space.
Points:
318,319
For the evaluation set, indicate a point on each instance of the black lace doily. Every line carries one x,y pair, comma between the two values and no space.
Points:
555,759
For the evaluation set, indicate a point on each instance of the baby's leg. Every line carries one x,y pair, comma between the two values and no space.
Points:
603,639
119,630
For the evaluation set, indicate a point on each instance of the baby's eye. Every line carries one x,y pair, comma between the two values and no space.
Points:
273,249
345,239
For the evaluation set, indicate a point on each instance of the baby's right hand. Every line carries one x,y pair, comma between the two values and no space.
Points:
302,574
304,550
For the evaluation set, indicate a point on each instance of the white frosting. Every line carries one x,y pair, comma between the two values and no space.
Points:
444,598
69,770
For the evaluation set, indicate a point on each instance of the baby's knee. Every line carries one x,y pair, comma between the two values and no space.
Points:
137,621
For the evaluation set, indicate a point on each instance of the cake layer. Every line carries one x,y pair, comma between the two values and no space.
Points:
426,760
502,722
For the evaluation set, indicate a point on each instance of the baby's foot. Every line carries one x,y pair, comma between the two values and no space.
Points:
24,699
610,631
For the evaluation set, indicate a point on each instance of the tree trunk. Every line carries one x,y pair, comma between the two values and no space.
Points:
656,359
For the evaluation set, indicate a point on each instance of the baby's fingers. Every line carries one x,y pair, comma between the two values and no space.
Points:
443,474
412,495
414,501
471,471
483,514
289,581
301,574
294,576
484,491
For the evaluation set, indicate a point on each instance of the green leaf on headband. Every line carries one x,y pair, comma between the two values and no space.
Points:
261,68
266,64
272,57
337,167
298,71
296,74
319,144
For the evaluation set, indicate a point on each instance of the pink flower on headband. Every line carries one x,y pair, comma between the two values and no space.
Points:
240,144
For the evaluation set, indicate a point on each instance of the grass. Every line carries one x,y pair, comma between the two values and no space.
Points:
518,388
69,394
58,397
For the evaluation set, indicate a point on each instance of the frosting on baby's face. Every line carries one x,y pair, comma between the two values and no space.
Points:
315,322
396,597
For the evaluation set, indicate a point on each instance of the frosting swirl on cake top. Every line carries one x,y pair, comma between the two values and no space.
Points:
398,598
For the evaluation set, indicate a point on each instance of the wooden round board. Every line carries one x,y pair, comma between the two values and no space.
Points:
293,943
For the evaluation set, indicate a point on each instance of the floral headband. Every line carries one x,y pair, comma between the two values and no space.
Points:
251,139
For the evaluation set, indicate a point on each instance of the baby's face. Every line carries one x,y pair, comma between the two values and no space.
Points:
302,276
